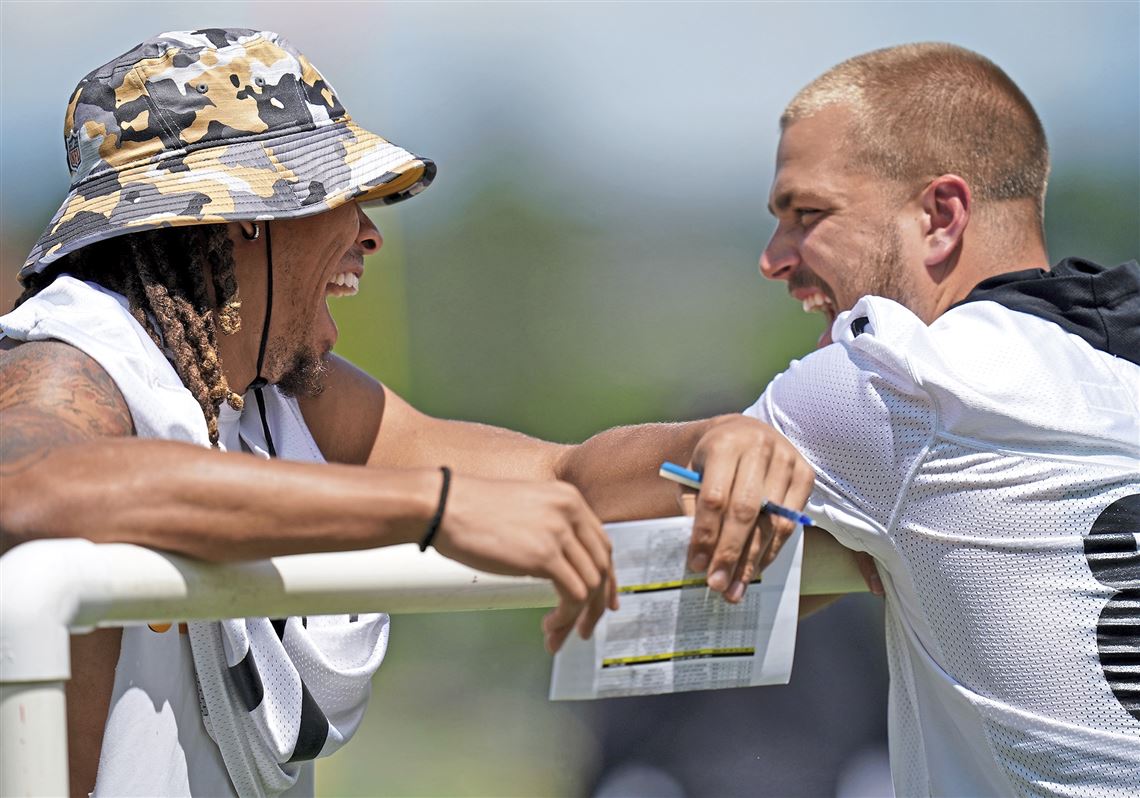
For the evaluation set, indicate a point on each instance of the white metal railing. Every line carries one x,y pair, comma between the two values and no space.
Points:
50,589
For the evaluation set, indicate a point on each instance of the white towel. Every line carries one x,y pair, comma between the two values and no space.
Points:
277,693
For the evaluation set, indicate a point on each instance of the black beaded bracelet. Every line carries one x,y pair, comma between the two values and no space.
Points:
437,519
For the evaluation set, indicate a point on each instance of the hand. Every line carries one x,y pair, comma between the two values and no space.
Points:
743,463
542,529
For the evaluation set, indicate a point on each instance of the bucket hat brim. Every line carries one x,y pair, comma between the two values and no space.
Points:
285,176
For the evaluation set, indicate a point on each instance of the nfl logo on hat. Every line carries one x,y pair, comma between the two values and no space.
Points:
72,144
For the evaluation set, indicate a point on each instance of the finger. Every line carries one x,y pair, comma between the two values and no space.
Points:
558,623
697,557
739,519
572,595
869,571
588,575
579,558
614,604
687,499
554,635
589,530
595,578
745,568
708,514
803,483
591,552
596,605
761,544
593,612
781,474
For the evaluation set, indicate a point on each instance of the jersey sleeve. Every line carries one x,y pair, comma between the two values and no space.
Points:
858,415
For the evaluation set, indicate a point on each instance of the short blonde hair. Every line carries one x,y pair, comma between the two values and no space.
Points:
923,110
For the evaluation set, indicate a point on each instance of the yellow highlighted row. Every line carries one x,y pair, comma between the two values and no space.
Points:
688,581
667,656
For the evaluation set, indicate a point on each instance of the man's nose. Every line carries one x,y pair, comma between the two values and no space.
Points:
779,258
368,236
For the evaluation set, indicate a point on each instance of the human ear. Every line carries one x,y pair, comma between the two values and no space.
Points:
946,205
243,231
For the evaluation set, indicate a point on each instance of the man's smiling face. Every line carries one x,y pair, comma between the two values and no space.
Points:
838,235
320,256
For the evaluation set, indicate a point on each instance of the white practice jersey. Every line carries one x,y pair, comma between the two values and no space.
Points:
990,462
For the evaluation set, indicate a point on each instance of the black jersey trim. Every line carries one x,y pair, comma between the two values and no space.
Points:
1098,303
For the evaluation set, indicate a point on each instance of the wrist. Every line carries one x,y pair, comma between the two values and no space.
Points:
716,421
413,497
440,507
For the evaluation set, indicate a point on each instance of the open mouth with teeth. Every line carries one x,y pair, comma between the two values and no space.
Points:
821,303
343,284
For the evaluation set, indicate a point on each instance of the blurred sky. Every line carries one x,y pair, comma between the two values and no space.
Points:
601,103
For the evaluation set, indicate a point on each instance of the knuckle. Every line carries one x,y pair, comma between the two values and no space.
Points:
703,535
561,619
570,492
713,499
565,541
549,548
743,511
717,443
728,548
754,556
723,562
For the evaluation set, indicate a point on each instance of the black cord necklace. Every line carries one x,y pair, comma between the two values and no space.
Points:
259,382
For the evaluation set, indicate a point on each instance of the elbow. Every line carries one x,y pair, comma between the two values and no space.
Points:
18,515
34,506
9,539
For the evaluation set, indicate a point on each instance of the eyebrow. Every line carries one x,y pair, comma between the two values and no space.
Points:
793,196
782,203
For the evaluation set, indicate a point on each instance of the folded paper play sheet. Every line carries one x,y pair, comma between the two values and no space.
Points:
672,634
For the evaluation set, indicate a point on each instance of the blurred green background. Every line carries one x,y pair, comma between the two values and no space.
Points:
586,257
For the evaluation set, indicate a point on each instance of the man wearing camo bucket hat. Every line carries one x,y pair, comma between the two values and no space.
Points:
175,314
214,206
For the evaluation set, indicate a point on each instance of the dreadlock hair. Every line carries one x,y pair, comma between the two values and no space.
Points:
162,274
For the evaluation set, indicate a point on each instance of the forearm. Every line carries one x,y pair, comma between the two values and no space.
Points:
211,505
616,470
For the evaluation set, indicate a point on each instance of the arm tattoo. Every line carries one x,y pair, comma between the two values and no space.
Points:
52,395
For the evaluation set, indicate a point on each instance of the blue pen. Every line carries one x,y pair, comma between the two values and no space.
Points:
692,479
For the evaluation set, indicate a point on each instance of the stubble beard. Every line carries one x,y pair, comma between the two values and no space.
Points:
305,376
880,271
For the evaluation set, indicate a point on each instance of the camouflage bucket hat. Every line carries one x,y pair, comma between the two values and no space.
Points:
207,126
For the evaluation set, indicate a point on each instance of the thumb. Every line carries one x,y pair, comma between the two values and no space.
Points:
688,501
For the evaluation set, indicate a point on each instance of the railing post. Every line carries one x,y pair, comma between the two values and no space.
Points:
33,745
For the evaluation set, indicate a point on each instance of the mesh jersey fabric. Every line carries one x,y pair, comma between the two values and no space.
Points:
182,720
972,459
